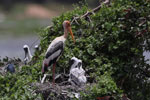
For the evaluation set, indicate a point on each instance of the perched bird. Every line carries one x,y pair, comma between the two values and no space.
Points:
10,68
77,73
28,56
36,47
56,48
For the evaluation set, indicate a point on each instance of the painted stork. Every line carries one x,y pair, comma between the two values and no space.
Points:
56,48
28,56
77,73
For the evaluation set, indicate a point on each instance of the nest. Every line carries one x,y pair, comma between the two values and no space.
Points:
62,90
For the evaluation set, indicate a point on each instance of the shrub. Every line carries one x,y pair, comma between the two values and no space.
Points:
111,45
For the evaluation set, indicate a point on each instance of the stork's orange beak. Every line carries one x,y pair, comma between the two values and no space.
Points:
70,30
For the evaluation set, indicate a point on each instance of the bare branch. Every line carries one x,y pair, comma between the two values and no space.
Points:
106,2
96,9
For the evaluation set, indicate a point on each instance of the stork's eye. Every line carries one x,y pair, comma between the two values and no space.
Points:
68,24
79,64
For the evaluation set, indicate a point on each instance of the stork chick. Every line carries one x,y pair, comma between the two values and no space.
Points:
77,73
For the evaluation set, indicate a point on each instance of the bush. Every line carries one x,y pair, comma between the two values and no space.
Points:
113,41
111,46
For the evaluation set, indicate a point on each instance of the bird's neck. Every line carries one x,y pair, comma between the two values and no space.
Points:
29,54
65,33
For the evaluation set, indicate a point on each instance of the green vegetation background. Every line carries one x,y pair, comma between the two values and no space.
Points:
111,46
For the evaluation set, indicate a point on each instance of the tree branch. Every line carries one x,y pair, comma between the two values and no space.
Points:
106,2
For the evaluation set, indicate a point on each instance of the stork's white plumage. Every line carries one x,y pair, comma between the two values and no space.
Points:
56,48
77,73
28,56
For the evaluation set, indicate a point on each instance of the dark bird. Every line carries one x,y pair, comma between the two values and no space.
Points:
56,48
10,68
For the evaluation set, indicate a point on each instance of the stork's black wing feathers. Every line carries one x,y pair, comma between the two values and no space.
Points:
56,47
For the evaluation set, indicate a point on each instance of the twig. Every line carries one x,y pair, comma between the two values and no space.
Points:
142,23
62,83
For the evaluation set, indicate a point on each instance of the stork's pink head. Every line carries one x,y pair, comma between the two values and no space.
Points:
67,25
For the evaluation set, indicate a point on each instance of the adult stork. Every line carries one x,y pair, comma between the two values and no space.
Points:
28,56
56,48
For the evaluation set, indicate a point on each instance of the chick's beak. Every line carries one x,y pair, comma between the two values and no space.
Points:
70,30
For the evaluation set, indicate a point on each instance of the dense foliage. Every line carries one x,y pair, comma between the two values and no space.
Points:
110,43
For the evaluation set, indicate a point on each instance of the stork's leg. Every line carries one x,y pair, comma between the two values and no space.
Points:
54,73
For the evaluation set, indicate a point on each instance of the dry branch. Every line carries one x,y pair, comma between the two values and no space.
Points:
88,13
